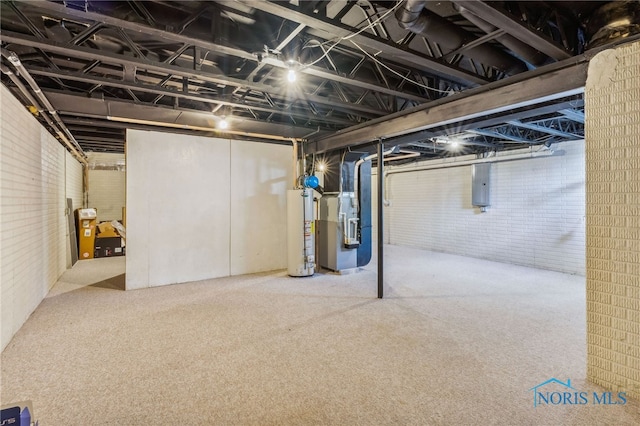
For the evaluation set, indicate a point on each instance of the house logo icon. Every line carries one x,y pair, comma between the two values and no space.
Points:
554,398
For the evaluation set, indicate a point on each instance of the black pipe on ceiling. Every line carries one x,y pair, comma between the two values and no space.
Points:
413,16
613,21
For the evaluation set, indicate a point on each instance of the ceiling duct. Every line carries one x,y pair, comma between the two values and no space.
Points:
414,17
613,21
523,50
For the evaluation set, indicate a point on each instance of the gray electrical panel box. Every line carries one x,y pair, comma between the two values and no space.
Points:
481,185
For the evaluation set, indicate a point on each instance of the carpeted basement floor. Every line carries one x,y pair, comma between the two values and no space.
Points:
457,341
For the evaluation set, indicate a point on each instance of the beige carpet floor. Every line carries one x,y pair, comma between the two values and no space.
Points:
457,341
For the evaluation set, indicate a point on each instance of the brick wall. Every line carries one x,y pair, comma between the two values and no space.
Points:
536,216
106,185
33,235
612,98
74,190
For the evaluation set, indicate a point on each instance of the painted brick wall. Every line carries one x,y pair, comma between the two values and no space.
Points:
33,236
612,98
536,218
74,187
74,190
106,186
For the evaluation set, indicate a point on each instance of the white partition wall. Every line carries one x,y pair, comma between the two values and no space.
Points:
201,207
177,208
260,176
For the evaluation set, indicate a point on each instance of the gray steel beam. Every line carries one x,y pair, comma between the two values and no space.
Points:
214,47
489,121
518,114
381,48
503,21
503,137
484,143
74,106
573,115
543,129
410,138
543,85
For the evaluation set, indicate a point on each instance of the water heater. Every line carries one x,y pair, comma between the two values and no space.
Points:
300,233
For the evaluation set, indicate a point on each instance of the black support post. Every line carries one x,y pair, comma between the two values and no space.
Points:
380,220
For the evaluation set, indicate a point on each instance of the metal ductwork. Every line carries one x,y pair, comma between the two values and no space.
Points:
613,21
414,17
523,50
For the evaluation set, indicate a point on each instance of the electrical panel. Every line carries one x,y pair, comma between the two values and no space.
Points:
481,185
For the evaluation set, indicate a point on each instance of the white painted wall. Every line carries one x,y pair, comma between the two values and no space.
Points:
202,207
260,177
374,212
536,218
74,187
74,190
106,185
34,176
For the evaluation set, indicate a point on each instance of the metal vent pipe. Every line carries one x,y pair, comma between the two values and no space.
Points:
414,17
613,21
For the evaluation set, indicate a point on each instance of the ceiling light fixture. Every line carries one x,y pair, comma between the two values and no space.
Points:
292,76
223,124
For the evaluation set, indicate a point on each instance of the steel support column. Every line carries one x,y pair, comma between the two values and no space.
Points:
380,220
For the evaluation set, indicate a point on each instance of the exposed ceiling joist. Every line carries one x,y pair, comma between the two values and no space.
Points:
498,18
500,136
161,68
363,76
101,19
542,129
62,10
375,46
475,103
155,89
70,105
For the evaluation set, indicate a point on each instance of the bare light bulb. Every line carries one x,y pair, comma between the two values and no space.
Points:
223,124
291,76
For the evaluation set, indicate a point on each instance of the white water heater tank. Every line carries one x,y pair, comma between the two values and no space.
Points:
300,233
